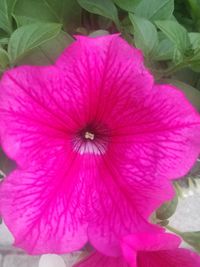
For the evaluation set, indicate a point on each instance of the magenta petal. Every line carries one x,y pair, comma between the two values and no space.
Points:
43,212
122,165
159,258
162,135
107,239
63,203
174,128
169,258
102,53
99,260
151,241
156,249
95,143
108,75
33,114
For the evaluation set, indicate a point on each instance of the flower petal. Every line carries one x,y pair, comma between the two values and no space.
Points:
180,143
157,248
34,121
169,258
123,203
108,73
41,104
45,208
151,241
139,183
114,74
68,200
101,80
162,135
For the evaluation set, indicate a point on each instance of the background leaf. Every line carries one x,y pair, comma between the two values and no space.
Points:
104,8
195,8
195,59
48,52
4,59
30,36
195,66
67,12
4,41
165,49
128,5
195,40
145,34
4,37
157,10
176,33
6,9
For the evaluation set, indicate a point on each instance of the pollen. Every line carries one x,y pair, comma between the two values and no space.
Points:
89,135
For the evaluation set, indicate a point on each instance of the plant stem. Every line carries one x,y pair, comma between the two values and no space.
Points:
172,229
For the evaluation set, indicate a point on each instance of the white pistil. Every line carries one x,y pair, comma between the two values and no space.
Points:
89,135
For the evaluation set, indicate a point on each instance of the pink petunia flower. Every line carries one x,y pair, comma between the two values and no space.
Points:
95,141
147,249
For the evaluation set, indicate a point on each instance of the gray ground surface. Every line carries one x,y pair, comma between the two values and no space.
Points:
186,218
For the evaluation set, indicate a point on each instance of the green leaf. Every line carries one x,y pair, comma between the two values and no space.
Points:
195,65
164,50
4,59
157,10
6,9
105,8
195,39
176,33
3,37
4,41
195,8
23,20
167,209
192,238
128,5
30,36
187,76
48,52
33,11
195,58
145,34
67,12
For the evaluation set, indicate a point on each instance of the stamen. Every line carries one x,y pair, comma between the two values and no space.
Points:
92,139
89,135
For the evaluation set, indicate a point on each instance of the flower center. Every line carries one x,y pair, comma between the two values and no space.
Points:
89,135
92,139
